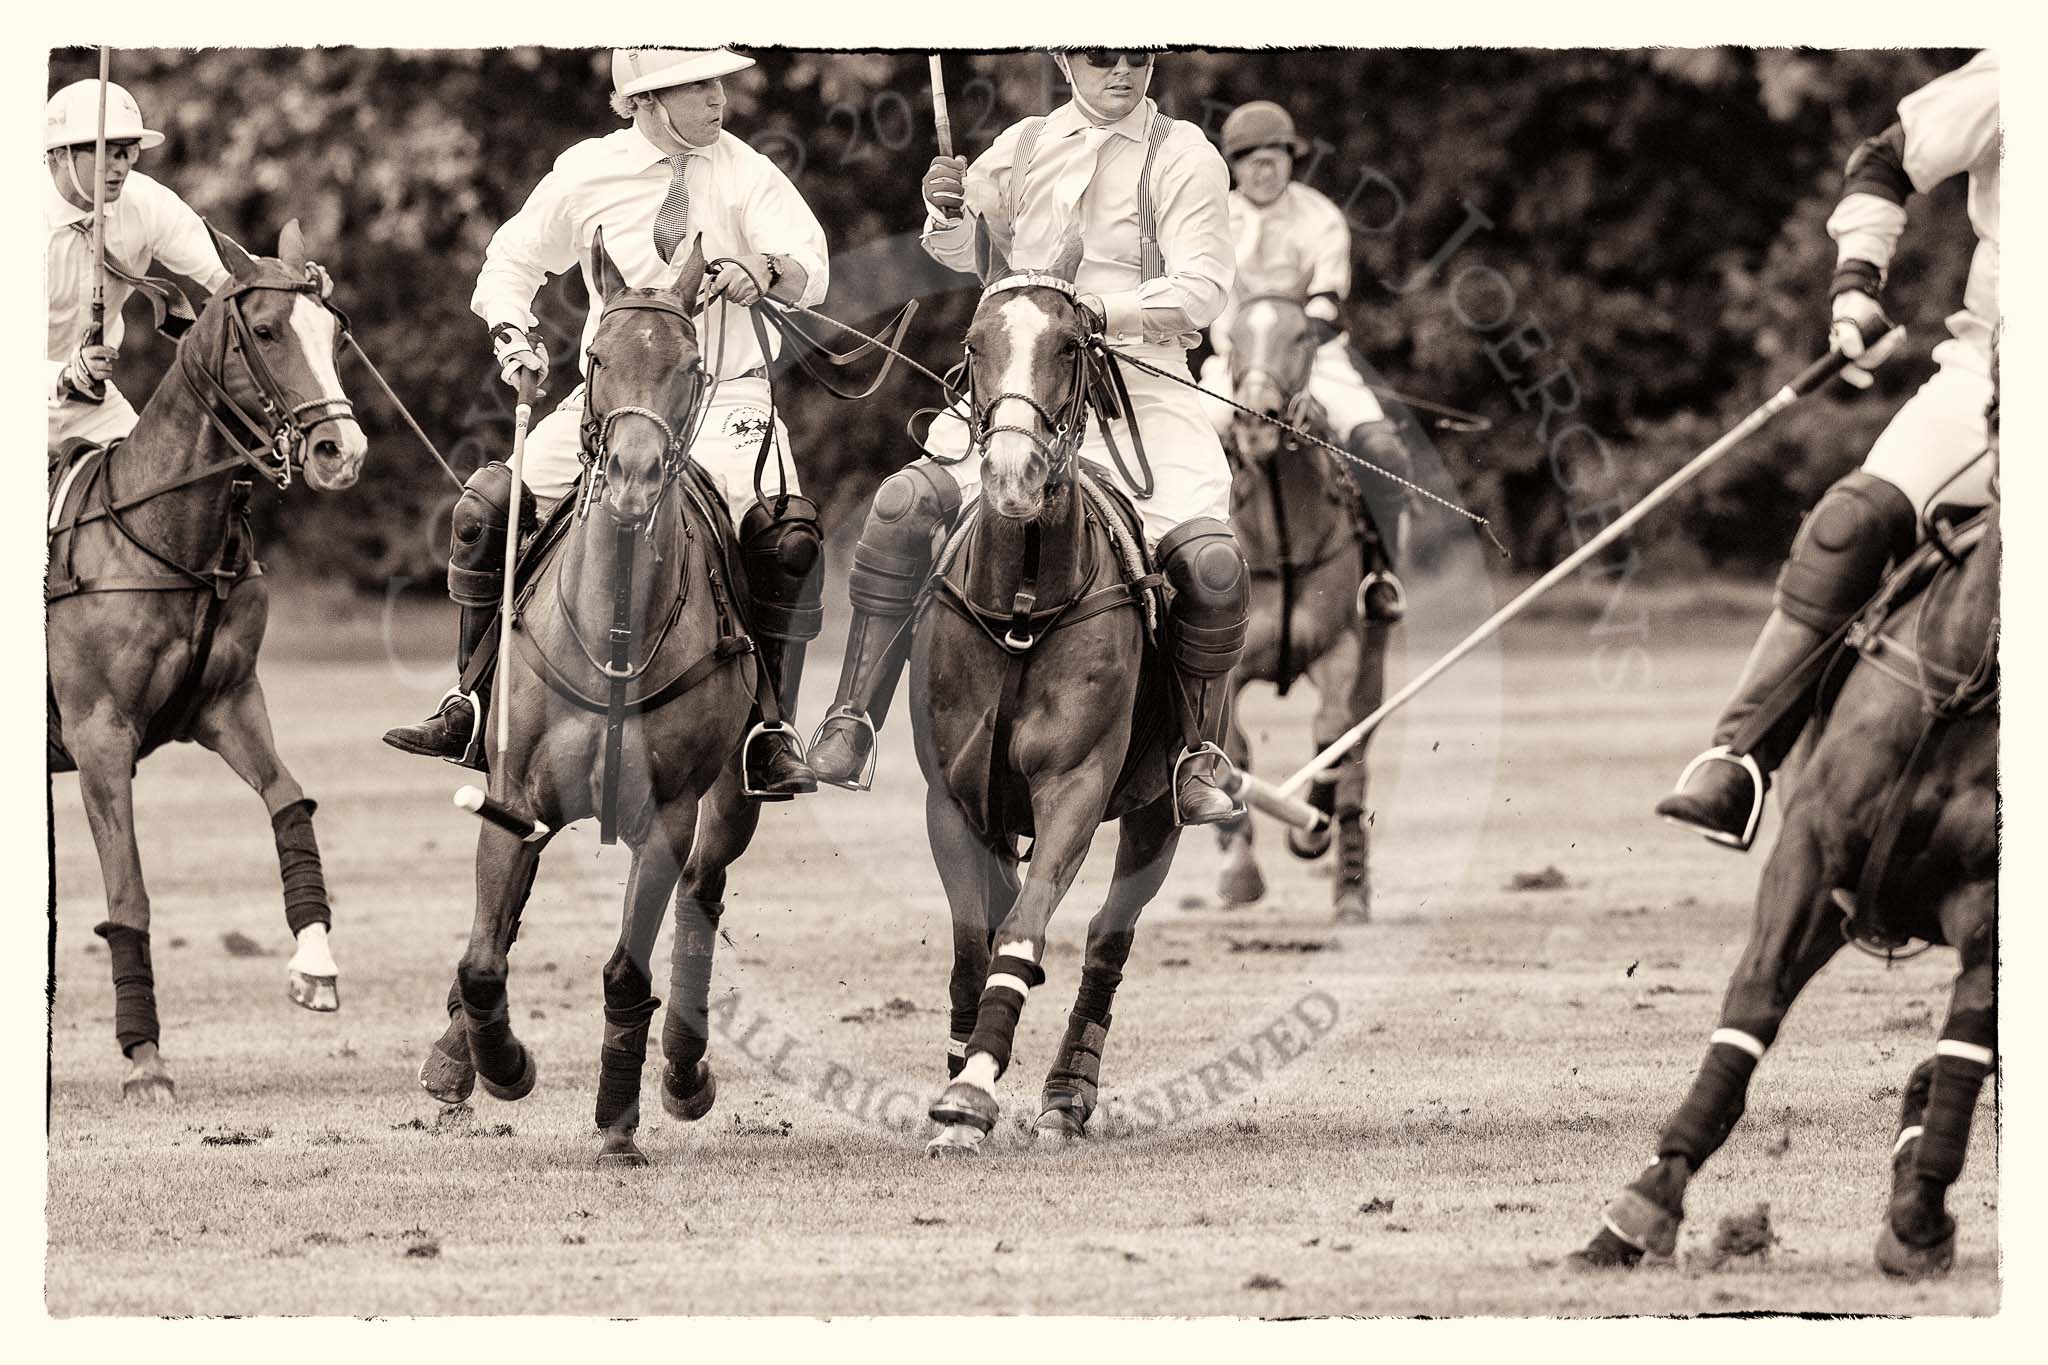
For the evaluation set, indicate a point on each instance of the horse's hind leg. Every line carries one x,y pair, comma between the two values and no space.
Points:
688,1085
629,1000
105,752
1795,934
447,1073
1919,1237
1350,680
504,871
1144,853
1240,882
236,725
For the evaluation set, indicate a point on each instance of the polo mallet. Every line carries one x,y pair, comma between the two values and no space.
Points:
1284,803
474,800
98,330
522,417
939,114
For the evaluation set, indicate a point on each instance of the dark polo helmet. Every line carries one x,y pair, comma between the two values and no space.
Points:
1261,123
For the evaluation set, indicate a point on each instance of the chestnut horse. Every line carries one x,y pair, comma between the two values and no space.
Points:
1891,834
156,607
648,552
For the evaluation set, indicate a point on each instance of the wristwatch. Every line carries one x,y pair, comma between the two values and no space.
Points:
774,271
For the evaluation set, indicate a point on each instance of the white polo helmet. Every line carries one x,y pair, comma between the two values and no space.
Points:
637,70
72,117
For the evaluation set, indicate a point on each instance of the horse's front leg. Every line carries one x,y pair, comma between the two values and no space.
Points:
1240,882
236,725
1918,1238
688,1085
447,1073
629,999
1796,932
505,866
1350,679
1144,853
980,889
104,747
1065,812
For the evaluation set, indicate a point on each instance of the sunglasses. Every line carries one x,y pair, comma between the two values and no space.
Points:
1103,58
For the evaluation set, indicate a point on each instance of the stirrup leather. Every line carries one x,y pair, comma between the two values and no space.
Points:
1721,753
761,730
472,749
1207,749
865,779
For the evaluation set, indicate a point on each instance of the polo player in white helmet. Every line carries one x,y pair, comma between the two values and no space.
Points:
673,178
1935,450
1291,240
1078,194
146,224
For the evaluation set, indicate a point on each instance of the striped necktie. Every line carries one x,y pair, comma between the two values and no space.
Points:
672,224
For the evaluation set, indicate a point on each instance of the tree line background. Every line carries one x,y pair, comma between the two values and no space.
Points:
1658,216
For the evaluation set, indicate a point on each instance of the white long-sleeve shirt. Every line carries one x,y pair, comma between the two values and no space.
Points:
1190,188
148,225
1299,246
740,201
1951,128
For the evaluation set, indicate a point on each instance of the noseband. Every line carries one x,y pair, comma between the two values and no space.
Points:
1071,424
597,426
274,439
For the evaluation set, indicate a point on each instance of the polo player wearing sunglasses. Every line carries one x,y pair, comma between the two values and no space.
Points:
146,224
1079,215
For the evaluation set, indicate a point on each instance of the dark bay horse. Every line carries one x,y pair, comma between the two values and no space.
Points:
1890,834
1039,712
156,608
1301,520
648,552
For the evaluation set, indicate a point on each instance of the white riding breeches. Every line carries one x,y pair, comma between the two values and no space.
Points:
1190,476
1333,381
1934,448
101,422
727,443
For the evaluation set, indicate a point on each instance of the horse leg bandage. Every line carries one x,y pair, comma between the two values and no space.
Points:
687,1031
1010,979
1960,1066
1078,1069
134,984
298,862
1913,1106
492,1046
629,1008
1099,982
1714,1105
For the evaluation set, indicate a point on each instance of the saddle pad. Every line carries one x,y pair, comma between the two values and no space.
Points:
67,465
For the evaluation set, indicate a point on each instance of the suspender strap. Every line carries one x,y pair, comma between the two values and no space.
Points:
1151,265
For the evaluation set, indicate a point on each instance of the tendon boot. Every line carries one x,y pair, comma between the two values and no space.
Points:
1208,615
890,563
1838,562
782,554
1382,600
476,579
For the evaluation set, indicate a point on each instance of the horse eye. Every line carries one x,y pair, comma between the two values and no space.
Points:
265,331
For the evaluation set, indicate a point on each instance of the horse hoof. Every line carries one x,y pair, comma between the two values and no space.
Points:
1241,885
1353,907
955,1140
967,1106
1605,1252
316,993
1060,1124
620,1153
1638,1221
697,1103
448,1079
1308,847
519,1089
1905,1262
153,1088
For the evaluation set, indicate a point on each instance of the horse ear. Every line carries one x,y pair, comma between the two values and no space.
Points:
690,279
605,280
291,247
240,263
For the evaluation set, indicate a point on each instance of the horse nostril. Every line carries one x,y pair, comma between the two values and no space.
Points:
327,448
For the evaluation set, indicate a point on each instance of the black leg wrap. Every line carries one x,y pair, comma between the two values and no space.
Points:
496,1053
1078,1070
1099,983
956,1061
686,1033
134,984
298,862
1913,1104
995,1027
1712,1108
628,1010
1945,1135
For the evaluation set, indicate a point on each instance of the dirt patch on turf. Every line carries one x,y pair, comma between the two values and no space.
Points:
1743,1235
239,944
896,1008
1549,879
1281,945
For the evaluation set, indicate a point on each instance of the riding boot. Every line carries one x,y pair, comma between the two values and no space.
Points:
455,729
1208,617
890,564
1837,564
1382,600
775,766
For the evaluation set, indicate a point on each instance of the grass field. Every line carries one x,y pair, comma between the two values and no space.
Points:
1448,1096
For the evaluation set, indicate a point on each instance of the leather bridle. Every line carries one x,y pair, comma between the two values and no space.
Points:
1069,426
597,424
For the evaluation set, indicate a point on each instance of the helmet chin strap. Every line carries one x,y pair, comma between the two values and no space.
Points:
668,126
71,169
